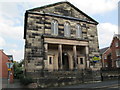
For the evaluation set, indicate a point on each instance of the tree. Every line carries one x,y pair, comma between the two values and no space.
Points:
17,69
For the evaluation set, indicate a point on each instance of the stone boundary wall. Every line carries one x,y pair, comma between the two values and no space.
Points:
110,73
61,78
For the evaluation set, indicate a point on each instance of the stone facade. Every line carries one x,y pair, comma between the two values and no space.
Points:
45,51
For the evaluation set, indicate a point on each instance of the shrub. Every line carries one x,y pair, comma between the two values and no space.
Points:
25,80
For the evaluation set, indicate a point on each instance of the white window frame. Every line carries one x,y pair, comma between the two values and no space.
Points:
67,31
54,27
105,57
116,44
117,52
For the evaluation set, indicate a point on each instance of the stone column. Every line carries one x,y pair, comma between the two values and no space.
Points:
45,62
86,60
74,57
60,57
46,50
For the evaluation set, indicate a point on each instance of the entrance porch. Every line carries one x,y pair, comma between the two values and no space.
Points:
65,54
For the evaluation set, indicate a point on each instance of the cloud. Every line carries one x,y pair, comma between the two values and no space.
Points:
89,6
2,42
105,33
12,29
9,31
17,54
96,6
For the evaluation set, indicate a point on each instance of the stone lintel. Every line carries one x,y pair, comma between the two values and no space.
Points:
65,42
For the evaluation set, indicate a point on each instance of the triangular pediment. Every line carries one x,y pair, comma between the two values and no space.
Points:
64,9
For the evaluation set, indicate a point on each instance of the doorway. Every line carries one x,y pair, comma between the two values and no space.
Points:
65,61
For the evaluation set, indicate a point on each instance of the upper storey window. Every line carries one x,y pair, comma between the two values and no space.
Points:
78,31
67,29
54,27
116,44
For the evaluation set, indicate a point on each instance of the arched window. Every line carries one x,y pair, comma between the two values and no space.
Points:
54,27
67,31
78,31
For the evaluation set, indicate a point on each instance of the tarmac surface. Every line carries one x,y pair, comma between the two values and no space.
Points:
104,85
15,84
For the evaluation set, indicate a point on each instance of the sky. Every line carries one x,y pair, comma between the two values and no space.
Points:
12,21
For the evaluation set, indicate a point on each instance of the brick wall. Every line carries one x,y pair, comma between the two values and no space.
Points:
4,66
113,49
3,60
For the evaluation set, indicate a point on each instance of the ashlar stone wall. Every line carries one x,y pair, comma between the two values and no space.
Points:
38,23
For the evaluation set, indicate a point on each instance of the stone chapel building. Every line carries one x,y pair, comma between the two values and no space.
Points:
59,36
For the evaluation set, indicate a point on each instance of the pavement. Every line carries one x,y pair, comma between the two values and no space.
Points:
15,84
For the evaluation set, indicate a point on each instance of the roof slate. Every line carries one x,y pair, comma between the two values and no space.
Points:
45,6
103,50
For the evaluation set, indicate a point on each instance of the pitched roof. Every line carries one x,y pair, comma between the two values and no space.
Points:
42,7
103,50
117,35
10,57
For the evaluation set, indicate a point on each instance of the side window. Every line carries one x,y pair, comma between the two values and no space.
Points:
54,27
116,44
50,60
105,57
78,31
77,61
117,52
67,31
81,60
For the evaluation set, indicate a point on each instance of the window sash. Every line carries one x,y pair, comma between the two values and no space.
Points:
116,44
118,52
81,60
54,27
78,31
67,30
50,60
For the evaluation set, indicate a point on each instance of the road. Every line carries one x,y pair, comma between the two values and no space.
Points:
105,85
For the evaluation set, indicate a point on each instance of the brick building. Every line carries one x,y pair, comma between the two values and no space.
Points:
106,57
111,55
4,69
59,37
115,48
